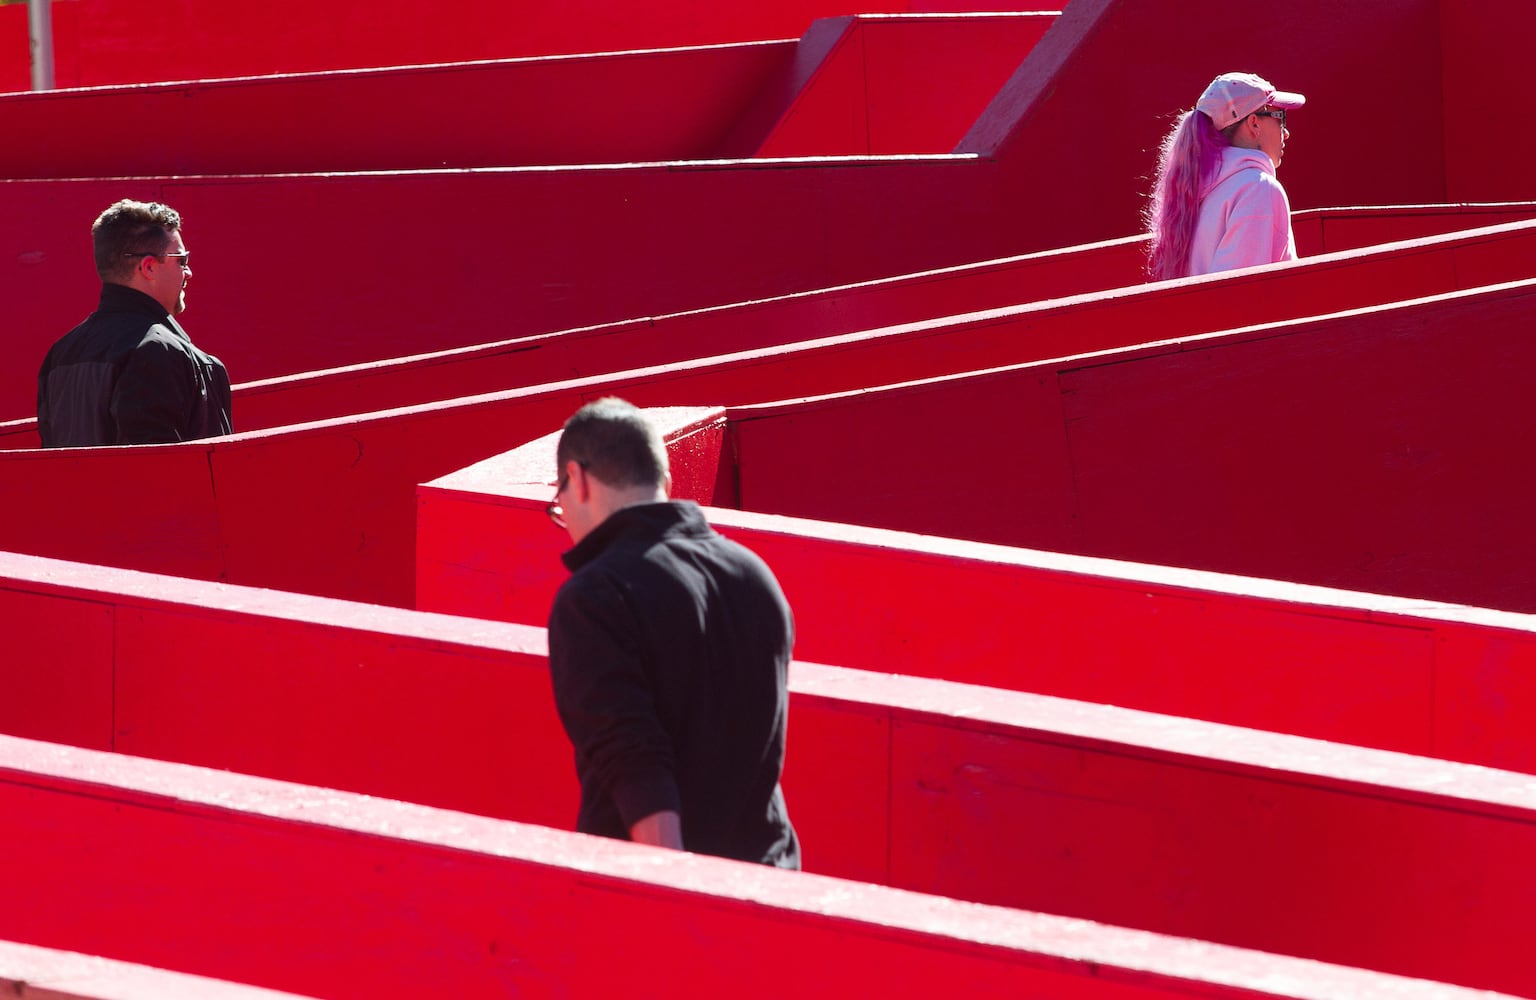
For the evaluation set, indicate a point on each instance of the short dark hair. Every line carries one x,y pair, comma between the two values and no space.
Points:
131,227
613,441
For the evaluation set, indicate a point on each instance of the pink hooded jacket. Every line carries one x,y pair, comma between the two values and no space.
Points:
1245,217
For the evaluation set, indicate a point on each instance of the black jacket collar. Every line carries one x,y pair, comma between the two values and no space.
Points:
121,298
645,520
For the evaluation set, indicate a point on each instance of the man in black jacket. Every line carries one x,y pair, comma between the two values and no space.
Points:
668,651
130,374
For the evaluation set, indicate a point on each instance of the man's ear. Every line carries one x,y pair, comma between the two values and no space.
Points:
579,483
666,485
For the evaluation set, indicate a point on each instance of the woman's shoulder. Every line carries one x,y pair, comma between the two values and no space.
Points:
1245,168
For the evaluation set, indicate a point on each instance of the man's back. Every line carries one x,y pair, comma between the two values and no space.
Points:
669,649
129,375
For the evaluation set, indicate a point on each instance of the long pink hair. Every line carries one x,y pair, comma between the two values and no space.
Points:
1189,161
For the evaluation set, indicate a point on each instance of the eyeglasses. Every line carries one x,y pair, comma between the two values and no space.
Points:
554,510
1278,114
184,258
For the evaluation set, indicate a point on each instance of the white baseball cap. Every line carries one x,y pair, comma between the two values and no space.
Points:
1232,97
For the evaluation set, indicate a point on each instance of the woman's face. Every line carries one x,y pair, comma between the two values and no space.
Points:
1273,133
1265,130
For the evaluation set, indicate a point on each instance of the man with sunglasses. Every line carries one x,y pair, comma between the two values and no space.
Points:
130,374
668,651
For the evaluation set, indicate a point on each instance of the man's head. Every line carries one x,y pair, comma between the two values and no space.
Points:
139,244
609,457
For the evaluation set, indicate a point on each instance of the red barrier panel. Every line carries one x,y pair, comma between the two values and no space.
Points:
103,42
416,901
572,247
32,973
671,104
435,709
1090,811
745,326
1485,63
914,84
513,252
156,503
1399,675
771,322
929,606
766,322
1105,59
1362,451
889,84
328,507
1328,230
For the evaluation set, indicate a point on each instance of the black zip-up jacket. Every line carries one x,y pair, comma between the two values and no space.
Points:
669,649
129,374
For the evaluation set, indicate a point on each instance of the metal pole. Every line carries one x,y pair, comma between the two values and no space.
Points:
40,31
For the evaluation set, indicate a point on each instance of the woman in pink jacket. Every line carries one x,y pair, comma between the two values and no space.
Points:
1216,203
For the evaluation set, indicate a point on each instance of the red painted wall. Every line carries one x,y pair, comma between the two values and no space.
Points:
677,337
566,248
153,505
33,973
674,104
416,901
328,508
759,323
1484,58
913,84
547,250
103,42
890,84
1332,229
1396,673
771,322
1107,61
507,252
1089,811
1362,451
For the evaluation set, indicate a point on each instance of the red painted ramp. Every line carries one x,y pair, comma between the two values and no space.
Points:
328,507
599,245
1398,674
1253,839
32,973
344,896
100,42
852,85
664,104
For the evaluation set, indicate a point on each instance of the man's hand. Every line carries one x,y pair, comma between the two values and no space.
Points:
661,829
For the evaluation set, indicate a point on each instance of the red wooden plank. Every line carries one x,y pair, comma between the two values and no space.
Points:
930,76
413,900
1481,55
32,973
825,111
668,104
1063,828
986,759
1103,62
1389,673
103,42
878,84
56,673
157,503
352,535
